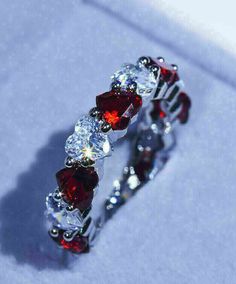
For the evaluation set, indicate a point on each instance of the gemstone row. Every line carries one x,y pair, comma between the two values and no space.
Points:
91,141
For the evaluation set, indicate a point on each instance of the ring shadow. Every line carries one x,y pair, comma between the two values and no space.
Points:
23,231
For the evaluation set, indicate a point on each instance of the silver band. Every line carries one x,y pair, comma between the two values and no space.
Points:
153,142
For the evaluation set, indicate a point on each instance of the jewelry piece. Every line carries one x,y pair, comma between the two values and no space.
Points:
151,93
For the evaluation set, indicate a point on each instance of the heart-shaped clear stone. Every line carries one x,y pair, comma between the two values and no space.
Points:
88,141
143,77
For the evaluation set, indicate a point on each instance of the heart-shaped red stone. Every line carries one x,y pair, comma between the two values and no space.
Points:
76,186
118,107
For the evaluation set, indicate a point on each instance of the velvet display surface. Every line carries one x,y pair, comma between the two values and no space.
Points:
55,57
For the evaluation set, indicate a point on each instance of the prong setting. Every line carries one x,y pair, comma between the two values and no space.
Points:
69,235
57,195
69,208
70,162
87,162
144,61
54,233
175,67
132,87
105,127
161,59
94,112
155,70
115,85
150,84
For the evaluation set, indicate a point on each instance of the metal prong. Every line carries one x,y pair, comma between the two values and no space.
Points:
175,67
161,59
86,162
132,87
105,127
69,208
57,196
54,233
94,112
115,85
144,61
69,235
70,162
155,70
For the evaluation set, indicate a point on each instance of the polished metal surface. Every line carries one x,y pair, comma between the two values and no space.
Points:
152,146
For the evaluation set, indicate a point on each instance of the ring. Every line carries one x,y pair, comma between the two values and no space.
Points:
149,95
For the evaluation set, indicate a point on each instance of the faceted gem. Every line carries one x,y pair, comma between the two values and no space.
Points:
118,107
168,73
60,217
76,186
143,77
87,141
79,243
186,104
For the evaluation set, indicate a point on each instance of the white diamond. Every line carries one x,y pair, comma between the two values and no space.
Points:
88,141
60,217
144,78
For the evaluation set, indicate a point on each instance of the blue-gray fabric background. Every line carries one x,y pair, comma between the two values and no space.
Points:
55,57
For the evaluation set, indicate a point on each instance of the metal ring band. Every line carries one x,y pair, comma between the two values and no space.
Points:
149,93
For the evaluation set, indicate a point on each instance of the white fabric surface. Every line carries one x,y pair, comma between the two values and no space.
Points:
56,56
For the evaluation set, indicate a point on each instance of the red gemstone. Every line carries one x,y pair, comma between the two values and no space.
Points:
157,111
186,104
119,107
77,245
168,73
76,185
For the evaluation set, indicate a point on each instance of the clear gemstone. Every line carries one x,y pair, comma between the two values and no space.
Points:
61,218
129,73
87,141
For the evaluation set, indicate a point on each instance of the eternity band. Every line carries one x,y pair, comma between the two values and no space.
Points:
149,95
